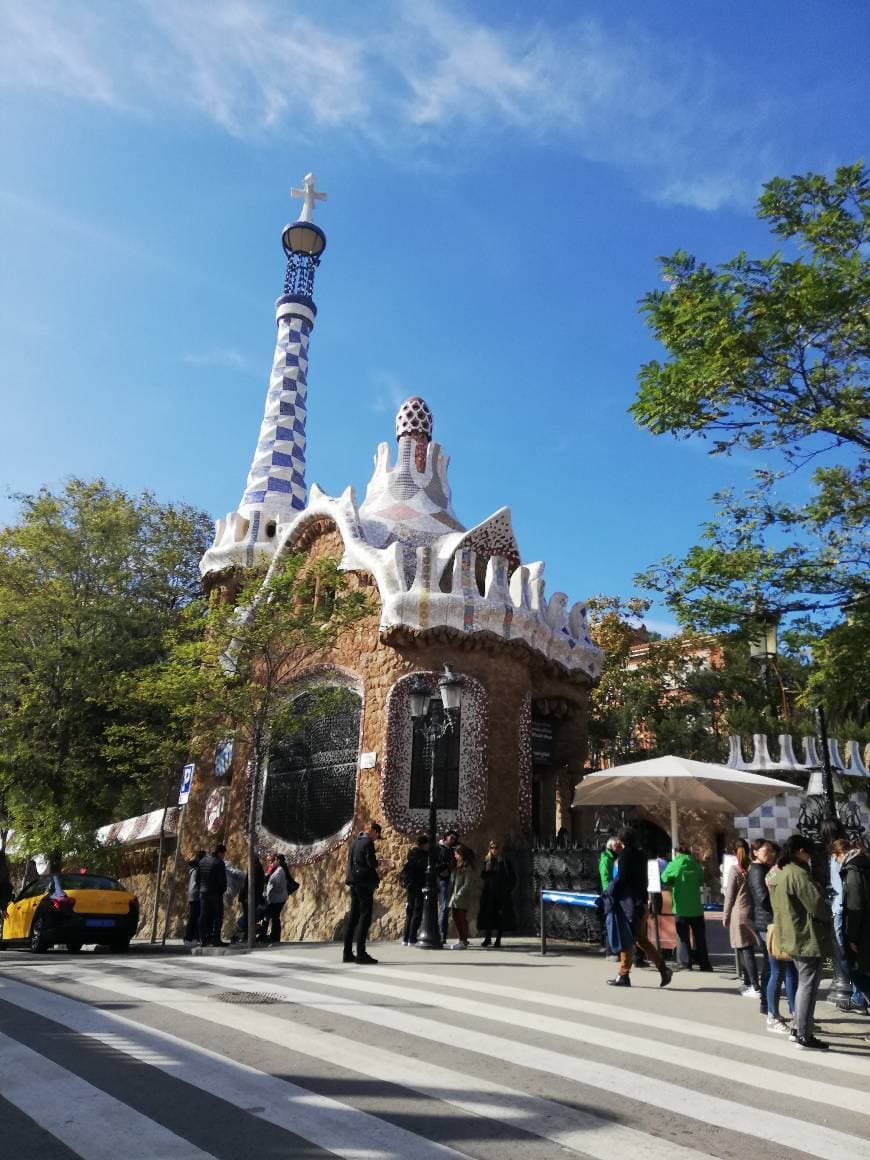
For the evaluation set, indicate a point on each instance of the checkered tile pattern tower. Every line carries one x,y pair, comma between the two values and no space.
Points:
276,481
276,490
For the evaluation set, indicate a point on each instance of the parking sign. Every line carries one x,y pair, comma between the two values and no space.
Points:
186,782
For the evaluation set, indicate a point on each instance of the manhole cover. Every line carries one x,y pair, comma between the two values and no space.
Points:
248,997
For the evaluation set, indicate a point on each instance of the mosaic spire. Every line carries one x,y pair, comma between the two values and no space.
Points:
276,481
276,491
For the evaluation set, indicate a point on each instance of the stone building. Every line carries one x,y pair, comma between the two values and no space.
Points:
442,593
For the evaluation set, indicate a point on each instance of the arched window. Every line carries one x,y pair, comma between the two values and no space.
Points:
311,776
447,751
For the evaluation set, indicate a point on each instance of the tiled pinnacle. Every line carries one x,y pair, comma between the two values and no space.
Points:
276,480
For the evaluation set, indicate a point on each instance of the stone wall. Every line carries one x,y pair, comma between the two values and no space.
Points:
510,673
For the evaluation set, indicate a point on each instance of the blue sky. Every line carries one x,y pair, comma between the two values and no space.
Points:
501,179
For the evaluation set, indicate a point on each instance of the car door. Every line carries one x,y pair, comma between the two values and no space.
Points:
21,911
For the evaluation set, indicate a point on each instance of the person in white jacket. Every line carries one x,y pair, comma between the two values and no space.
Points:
277,892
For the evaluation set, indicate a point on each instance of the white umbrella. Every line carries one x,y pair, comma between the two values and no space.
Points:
675,782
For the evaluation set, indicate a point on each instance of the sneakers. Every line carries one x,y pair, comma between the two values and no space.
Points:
486,943
459,945
751,993
619,981
777,1025
810,1043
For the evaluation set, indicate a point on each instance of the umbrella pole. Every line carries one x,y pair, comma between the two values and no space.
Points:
675,825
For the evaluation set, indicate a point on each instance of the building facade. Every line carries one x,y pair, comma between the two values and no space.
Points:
441,593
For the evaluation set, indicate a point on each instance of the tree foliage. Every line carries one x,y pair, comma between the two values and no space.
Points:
229,666
770,356
91,580
683,695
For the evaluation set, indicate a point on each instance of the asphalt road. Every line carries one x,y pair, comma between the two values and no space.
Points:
482,1053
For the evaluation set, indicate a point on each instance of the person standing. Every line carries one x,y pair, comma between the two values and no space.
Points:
684,875
259,902
413,878
801,915
782,969
607,862
212,887
737,917
853,869
762,915
276,894
362,878
496,911
460,895
444,864
625,909
191,930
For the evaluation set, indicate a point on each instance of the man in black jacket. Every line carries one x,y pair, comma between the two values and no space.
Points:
362,878
212,887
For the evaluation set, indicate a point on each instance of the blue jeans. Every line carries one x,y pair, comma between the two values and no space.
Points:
443,912
781,971
859,994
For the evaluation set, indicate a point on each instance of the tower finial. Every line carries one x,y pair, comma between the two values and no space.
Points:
309,196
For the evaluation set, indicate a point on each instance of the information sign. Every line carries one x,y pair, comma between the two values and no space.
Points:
186,783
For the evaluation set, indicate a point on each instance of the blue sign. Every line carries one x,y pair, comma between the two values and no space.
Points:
223,757
186,783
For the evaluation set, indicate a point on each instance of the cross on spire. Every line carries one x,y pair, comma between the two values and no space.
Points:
309,196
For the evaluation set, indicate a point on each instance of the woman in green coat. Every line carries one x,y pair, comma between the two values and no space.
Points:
803,926
460,894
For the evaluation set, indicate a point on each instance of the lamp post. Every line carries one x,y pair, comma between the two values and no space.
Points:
763,647
820,822
450,690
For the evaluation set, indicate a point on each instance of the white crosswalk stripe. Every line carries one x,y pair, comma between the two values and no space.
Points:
69,1107
811,1139
591,1135
390,1011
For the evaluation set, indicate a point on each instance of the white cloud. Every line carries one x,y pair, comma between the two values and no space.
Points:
227,357
389,392
424,81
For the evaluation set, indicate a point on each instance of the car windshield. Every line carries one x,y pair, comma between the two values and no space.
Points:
89,882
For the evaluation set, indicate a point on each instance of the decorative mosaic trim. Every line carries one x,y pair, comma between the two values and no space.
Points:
524,802
144,828
778,818
396,784
318,676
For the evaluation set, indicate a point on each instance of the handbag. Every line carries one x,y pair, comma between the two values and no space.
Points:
773,948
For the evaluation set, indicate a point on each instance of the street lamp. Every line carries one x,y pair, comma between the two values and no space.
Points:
450,689
763,649
819,822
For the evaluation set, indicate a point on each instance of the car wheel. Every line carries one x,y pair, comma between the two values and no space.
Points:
74,947
38,940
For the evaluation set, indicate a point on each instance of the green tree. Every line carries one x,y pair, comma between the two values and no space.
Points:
232,669
685,694
770,356
91,579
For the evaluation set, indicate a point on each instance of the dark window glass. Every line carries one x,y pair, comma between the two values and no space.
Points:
311,782
446,766
89,882
40,886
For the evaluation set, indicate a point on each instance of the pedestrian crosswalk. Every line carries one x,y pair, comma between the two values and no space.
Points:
419,1058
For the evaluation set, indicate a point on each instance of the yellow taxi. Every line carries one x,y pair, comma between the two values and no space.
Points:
71,910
